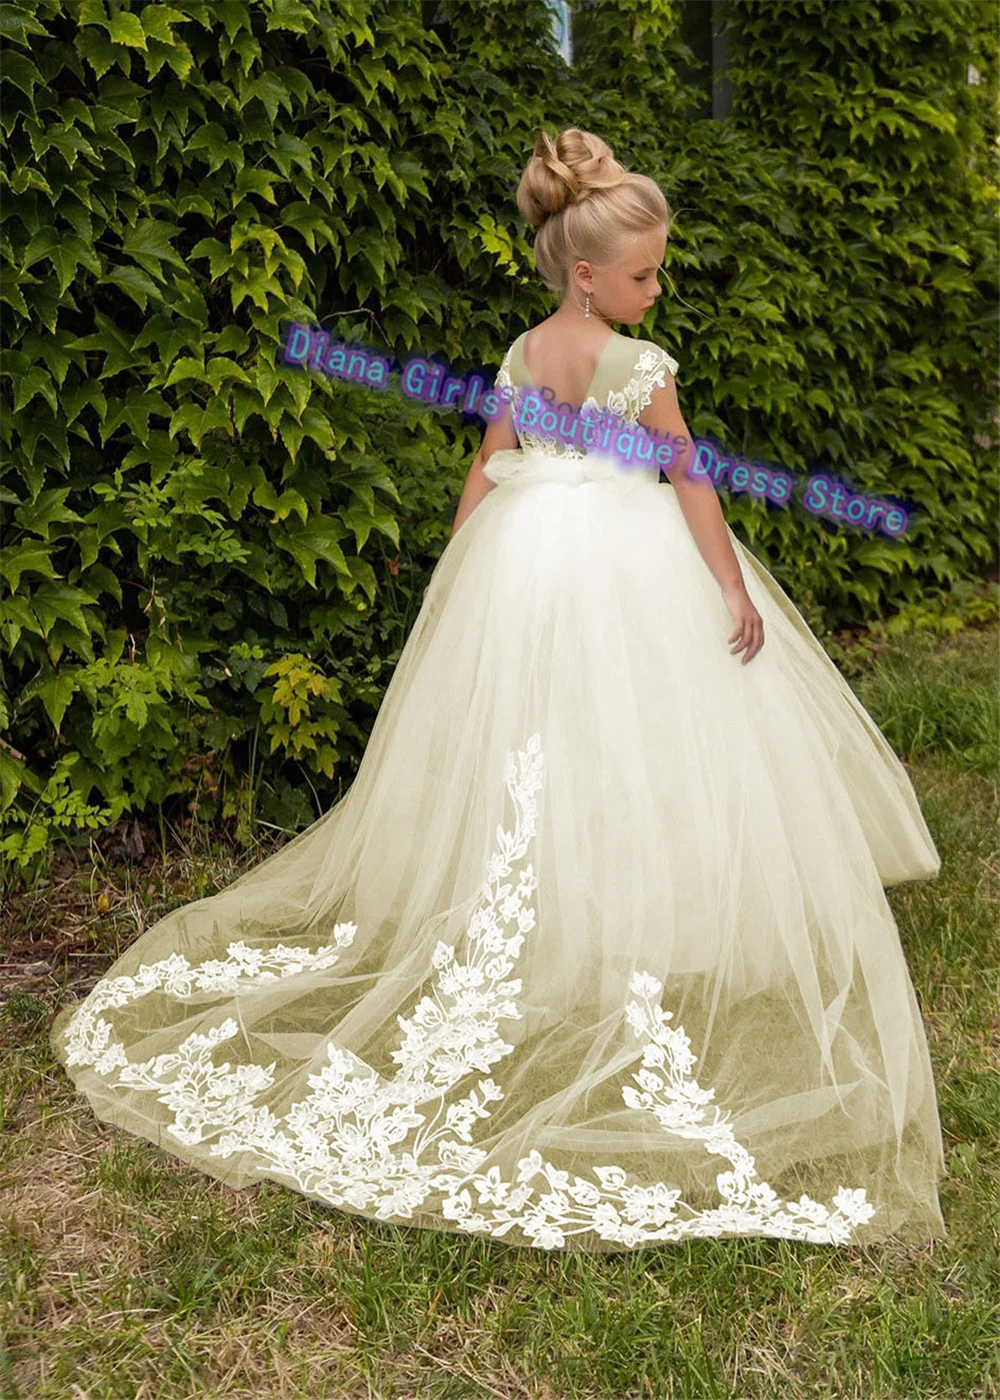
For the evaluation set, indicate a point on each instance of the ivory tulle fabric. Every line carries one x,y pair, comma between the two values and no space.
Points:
595,950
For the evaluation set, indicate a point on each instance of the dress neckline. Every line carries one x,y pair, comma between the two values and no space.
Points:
519,343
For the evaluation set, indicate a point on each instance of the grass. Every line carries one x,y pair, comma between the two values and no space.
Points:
125,1274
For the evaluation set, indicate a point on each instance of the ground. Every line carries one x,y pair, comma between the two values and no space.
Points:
125,1274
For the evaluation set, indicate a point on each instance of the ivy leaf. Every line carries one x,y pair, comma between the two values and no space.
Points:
55,691
18,559
157,21
315,540
127,29
60,602
21,73
135,284
48,508
149,244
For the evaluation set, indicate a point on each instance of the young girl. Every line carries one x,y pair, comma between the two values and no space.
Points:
595,952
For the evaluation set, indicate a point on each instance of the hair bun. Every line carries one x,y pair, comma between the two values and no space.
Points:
564,172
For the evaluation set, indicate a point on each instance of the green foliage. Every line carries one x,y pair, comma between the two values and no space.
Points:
865,318
204,546
291,709
934,698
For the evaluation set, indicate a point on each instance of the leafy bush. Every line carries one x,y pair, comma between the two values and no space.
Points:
210,554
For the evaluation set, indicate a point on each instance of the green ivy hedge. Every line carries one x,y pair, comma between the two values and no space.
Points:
211,561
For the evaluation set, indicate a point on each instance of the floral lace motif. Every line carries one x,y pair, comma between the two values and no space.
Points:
386,1146
626,403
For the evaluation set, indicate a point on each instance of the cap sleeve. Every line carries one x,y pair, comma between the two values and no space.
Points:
658,360
669,361
651,368
502,380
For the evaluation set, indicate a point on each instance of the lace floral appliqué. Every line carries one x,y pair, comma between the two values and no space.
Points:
387,1146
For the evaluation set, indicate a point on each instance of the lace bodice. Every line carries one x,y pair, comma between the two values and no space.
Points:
627,373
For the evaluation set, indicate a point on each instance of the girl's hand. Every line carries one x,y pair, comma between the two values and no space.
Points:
749,632
424,595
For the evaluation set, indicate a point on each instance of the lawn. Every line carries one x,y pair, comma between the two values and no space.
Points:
127,1274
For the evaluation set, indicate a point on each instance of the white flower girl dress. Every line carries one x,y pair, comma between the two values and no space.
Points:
595,951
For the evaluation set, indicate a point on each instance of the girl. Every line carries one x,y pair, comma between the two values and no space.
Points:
595,952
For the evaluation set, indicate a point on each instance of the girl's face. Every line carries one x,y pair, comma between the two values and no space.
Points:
627,288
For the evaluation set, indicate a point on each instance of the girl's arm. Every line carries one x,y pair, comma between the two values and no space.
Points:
700,506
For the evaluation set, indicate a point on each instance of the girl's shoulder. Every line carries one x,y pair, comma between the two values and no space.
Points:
641,357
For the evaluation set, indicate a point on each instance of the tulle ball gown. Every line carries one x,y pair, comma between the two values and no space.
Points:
595,951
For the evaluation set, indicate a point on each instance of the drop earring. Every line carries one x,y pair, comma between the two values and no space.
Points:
586,307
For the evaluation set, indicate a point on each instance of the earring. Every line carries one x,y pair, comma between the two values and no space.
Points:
586,309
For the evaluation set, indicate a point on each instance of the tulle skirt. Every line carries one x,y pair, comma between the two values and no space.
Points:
595,951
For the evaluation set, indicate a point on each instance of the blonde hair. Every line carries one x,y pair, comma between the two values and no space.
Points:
582,201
